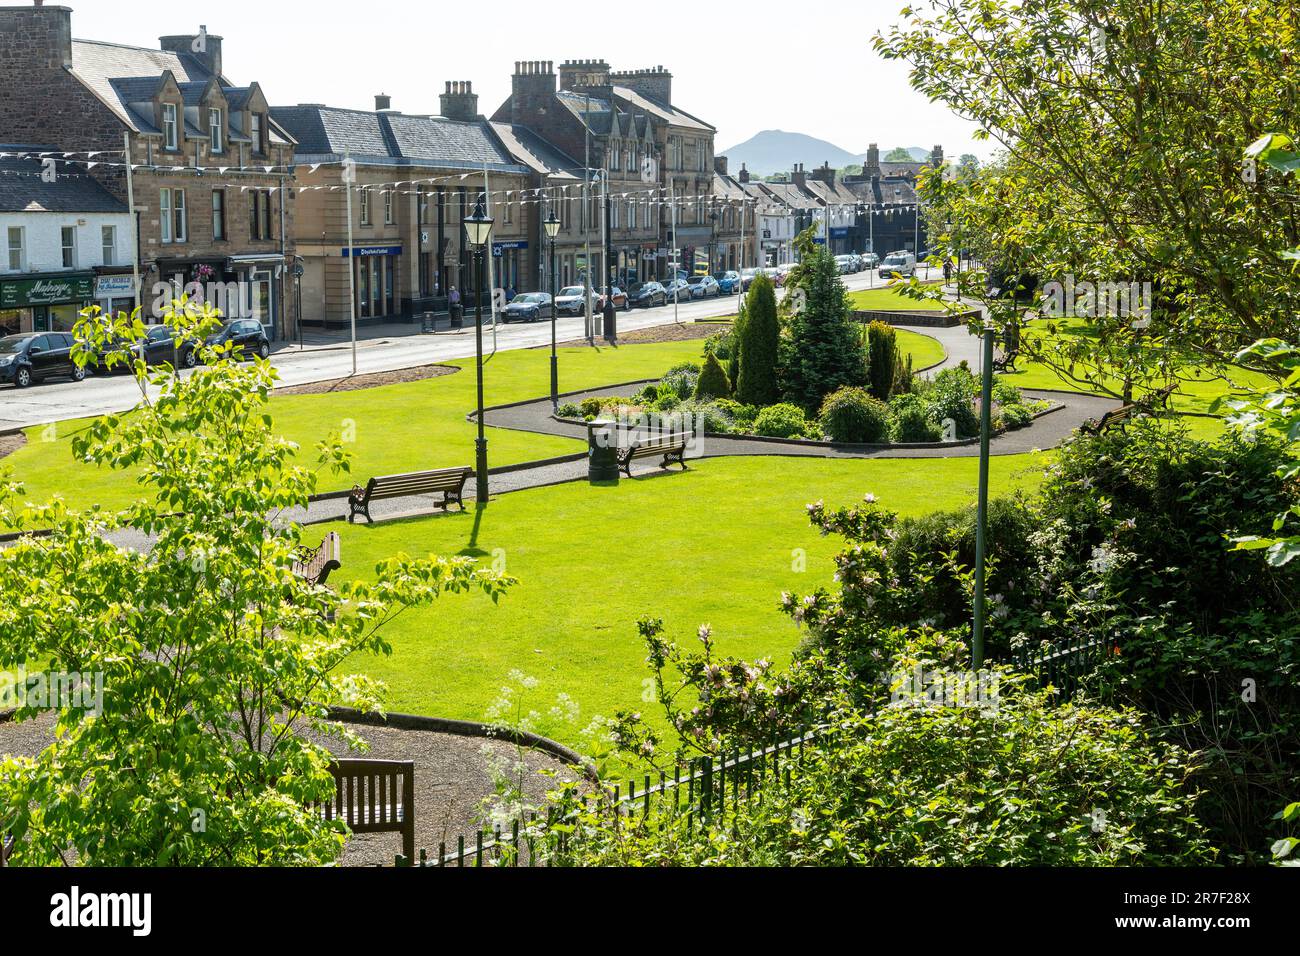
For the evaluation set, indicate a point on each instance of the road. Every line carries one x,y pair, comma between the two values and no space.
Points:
100,395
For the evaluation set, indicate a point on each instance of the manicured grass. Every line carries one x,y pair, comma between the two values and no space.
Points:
404,427
715,545
924,350
887,300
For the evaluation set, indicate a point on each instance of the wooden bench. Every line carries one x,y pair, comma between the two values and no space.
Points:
1159,399
375,796
450,481
1112,419
314,565
671,447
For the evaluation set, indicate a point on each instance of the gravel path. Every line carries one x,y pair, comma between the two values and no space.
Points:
452,779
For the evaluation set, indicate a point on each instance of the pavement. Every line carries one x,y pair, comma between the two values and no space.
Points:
326,356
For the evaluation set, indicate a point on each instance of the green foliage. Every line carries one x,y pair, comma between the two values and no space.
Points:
1025,785
949,396
680,380
721,344
713,381
713,416
760,340
592,407
823,351
908,423
570,410
212,651
743,416
851,415
1016,416
781,421
882,359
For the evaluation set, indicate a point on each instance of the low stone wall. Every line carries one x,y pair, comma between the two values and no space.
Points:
926,318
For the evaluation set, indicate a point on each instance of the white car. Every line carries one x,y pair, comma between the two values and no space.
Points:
570,301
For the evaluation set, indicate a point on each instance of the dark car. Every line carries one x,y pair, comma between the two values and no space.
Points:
35,356
649,295
160,346
529,307
245,334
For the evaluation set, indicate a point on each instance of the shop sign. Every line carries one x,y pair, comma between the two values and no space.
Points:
372,251
114,287
500,247
28,292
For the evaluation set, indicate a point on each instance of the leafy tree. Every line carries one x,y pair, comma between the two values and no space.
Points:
1124,124
898,155
823,351
713,381
882,359
212,653
760,343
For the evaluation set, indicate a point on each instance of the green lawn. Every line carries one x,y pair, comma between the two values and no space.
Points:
404,427
717,545
888,300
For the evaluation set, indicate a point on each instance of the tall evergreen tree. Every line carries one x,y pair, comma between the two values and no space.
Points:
760,342
824,349
713,381
882,359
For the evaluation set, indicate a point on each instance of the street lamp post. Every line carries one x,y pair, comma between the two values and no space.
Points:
552,226
982,509
478,232
298,271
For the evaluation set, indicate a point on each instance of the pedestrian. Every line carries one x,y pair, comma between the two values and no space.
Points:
453,306
510,293
947,269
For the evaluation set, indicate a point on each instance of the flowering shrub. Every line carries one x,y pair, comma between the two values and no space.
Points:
850,414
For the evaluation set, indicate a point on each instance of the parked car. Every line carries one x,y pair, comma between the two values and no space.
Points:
649,295
778,275
621,301
160,346
35,356
570,301
747,277
678,289
243,334
528,307
898,264
870,260
845,264
703,287
728,281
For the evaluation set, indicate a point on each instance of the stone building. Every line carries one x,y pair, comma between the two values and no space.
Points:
889,219
418,177
209,164
623,126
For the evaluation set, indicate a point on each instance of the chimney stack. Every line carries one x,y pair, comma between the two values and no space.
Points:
202,46
720,165
743,176
798,176
383,102
872,166
653,83
459,102
532,89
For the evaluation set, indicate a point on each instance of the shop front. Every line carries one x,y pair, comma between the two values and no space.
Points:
45,302
508,264
375,274
115,293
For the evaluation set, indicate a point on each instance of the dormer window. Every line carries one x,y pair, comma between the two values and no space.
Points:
170,140
217,130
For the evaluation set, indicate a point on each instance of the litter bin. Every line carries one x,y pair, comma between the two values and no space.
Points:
427,323
602,451
457,313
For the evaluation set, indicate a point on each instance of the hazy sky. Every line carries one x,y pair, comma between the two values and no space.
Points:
743,68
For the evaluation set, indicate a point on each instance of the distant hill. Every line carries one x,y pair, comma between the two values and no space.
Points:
776,151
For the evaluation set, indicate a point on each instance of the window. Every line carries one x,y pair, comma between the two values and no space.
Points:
17,252
171,215
108,240
216,130
424,205
388,207
69,242
256,132
170,140
364,196
508,212
259,214
615,162
218,214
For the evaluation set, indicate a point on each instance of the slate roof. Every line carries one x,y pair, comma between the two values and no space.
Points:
671,114
326,131
127,77
70,192
542,157
888,192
